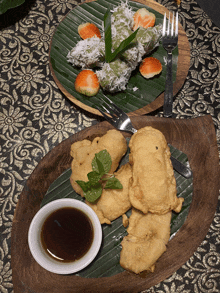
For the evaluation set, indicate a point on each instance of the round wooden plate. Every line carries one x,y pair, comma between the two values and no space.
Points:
61,72
195,137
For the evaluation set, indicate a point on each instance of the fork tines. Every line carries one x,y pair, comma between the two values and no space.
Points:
171,29
110,107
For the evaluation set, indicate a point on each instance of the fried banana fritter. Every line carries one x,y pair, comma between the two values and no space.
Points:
83,152
153,185
146,241
113,203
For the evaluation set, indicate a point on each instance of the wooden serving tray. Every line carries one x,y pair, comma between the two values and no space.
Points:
181,74
195,137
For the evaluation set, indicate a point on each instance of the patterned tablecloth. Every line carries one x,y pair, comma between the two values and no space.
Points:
35,116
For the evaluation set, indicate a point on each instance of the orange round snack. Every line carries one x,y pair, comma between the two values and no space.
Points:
88,30
143,18
150,67
87,83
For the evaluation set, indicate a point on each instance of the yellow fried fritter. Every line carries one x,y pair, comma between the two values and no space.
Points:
83,152
113,203
146,241
153,185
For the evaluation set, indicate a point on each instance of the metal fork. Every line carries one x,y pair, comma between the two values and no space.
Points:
120,120
169,41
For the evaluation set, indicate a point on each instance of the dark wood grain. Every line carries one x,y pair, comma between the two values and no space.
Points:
182,69
195,137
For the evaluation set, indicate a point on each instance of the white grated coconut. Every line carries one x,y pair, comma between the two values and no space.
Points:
87,53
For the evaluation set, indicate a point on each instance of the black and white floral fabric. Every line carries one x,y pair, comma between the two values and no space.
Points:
35,116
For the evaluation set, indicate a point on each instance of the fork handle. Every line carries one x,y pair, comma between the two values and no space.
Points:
168,95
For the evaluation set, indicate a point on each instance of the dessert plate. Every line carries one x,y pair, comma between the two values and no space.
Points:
194,137
141,95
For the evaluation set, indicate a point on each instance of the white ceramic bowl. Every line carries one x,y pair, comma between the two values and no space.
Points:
39,253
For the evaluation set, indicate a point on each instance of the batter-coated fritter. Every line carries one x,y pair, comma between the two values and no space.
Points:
146,241
113,203
153,185
83,152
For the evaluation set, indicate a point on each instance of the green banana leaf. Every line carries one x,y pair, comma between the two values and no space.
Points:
106,263
140,91
7,4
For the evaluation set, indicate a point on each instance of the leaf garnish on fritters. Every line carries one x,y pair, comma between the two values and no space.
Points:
101,164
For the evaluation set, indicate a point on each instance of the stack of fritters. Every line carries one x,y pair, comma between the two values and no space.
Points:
113,202
149,187
152,192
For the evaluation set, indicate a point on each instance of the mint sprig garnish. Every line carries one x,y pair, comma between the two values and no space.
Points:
101,165
109,56
102,162
113,183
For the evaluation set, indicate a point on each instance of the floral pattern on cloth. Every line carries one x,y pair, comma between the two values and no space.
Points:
35,116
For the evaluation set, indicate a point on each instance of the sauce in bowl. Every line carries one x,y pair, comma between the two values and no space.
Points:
67,234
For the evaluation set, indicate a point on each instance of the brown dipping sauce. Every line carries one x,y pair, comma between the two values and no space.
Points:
67,234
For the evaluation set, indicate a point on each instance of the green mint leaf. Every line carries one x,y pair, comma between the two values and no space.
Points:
100,165
123,45
113,183
93,193
94,177
108,35
102,162
84,185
